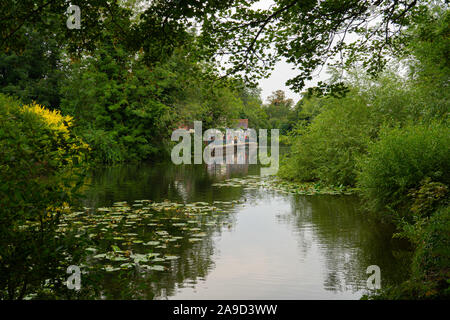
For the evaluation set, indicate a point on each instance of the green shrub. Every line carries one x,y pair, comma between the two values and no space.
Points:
400,160
431,263
428,197
326,150
430,273
119,104
105,145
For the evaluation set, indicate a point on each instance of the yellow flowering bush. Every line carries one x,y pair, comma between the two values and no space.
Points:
65,148
52,118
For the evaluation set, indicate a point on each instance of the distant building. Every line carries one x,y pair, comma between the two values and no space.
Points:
183,127
241,123
188,127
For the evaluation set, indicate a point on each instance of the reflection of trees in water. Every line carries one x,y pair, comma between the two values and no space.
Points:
193,265
226,171
194,262
345,239
348,241
302,213
157,183
185,183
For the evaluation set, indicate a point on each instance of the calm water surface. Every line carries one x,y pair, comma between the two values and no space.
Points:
271,245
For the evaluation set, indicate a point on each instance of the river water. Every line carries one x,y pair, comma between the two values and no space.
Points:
266,244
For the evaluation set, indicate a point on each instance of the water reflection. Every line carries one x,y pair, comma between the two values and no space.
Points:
346,239
271,246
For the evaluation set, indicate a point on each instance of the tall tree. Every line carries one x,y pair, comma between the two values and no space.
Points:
280,111
34,74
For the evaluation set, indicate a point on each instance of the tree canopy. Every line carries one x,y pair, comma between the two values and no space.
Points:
309,33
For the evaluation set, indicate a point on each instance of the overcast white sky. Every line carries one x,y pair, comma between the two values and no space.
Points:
277,81
284,71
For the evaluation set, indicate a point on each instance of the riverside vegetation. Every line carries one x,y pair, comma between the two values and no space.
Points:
390,140
114,94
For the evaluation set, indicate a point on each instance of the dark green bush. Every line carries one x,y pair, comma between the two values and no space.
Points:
400,160
428,197
430,268
431,261
105,145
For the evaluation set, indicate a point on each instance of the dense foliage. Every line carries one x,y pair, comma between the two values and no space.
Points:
389,137
400,160
327,149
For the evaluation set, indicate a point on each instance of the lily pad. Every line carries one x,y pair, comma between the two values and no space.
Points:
157,268
152,243
118,258
158,259
116,248
110,269
179,224
141,258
